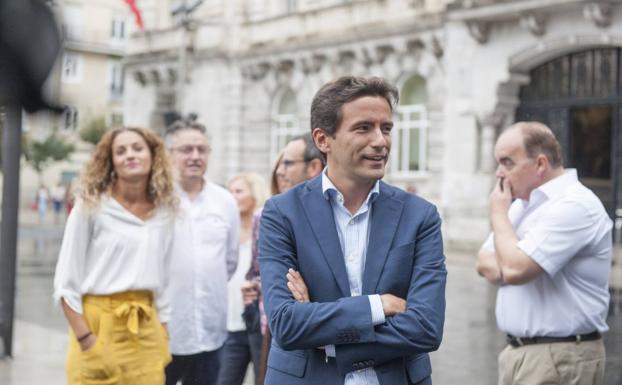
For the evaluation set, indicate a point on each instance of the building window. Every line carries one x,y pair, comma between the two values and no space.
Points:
72,68
115,79
70,119
291,6
285,123
72,22
116,119
117,28
409,153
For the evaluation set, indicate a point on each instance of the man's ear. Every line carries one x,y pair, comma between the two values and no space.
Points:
542,164
314,168
321,140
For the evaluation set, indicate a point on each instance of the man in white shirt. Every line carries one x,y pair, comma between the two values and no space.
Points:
550,255
205,254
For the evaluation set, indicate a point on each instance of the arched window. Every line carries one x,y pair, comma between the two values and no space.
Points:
285,123
410,132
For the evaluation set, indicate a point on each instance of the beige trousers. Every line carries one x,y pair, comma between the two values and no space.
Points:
559,363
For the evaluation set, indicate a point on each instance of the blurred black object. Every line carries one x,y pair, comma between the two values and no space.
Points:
29,44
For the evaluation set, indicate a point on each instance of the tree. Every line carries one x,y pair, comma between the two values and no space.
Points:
40,154
93,131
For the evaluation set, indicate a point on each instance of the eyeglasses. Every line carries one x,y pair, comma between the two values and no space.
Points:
288,163
189,149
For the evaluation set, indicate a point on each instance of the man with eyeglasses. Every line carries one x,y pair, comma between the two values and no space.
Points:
301,160
205,256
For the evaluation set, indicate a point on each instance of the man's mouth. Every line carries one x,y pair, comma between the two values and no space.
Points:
375,158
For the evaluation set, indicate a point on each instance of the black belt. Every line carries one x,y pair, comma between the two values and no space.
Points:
520,341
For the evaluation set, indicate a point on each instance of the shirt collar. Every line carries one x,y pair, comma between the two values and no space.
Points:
328,189
184,196
557,185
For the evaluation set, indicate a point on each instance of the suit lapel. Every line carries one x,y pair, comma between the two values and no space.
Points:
320,216
385,215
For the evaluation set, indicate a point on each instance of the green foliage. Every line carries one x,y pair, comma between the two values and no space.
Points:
40,154
93,131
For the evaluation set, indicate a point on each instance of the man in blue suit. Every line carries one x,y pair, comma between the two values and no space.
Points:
371,255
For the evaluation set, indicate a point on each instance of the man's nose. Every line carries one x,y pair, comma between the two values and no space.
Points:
280,170
378,138
499,172
195,153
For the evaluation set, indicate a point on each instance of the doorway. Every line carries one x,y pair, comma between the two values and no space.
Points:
579,97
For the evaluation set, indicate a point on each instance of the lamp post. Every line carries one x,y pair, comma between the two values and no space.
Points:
11,152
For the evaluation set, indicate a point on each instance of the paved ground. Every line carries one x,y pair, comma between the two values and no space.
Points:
467,355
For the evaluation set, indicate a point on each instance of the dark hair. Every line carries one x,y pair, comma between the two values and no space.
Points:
311,151
539,139
185,124
180,125
326,105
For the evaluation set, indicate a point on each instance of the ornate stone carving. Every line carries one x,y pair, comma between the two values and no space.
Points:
436,47
598,13
172,75
534,22
479,30
284,71
256,71
155,76
313,63
383,51
140,77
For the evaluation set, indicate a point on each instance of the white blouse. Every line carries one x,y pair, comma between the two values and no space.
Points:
235,322
110,250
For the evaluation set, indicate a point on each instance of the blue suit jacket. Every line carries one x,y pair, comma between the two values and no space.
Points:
404,258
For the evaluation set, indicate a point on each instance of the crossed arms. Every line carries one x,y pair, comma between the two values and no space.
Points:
298,325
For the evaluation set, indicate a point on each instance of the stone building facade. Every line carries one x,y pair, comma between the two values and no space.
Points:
465,70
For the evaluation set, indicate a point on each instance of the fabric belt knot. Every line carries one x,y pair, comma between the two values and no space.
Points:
133,311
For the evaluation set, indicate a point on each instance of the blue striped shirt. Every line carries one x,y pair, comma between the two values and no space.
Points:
353,231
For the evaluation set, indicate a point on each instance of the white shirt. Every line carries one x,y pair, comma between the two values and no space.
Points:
110,250
353,232
564,228
235,322
205,255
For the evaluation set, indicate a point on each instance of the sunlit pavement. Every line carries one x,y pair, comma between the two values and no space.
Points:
467,355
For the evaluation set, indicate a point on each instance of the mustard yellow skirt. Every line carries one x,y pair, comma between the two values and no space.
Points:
131,347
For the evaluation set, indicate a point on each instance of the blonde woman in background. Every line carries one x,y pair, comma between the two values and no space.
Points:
243,343
111,276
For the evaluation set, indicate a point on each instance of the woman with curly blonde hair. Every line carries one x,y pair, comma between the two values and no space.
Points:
112,273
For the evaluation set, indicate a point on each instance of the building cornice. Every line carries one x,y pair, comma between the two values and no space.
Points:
507,10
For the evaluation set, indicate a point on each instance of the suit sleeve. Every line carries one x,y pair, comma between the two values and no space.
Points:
420,328
297,325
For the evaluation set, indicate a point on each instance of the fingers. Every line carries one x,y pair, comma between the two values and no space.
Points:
297,286
507,188
297,295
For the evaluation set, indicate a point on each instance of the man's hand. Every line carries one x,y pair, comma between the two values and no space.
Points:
392,305
297,286
500,198
250,291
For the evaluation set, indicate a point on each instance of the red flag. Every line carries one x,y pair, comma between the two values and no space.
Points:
136,12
